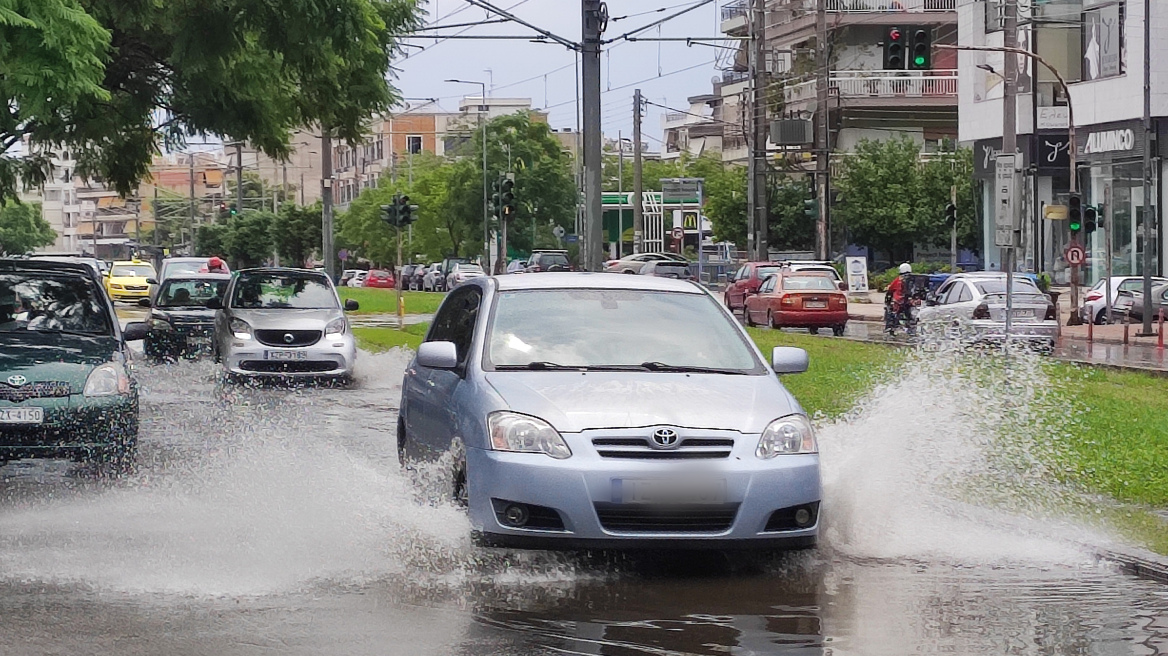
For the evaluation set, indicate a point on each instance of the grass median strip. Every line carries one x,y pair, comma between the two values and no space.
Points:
383,339
384,301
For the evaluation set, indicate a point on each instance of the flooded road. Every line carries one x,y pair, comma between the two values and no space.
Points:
277,521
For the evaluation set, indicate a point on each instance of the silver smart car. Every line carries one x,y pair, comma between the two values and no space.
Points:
589,410
283,322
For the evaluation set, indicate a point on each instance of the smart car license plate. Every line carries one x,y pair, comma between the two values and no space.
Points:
285,355
815,305
668,491
22,416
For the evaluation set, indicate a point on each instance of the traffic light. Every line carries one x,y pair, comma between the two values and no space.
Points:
233,210
507,198
405,211
1090,219
1075,214
950,215
389,213
811,208
496,201
893,49
921,49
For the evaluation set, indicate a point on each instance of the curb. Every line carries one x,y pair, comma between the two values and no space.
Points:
1144,565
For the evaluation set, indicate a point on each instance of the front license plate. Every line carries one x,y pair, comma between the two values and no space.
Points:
668,491
285,355
22,416
815,305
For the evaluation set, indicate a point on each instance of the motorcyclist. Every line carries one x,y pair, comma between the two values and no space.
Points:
897,306
215,265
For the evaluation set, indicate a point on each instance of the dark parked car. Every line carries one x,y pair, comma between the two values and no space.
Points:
667,269
418,276
548,261
406,275
67,386
180,323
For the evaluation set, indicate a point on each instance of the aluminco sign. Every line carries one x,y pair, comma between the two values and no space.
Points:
1109,141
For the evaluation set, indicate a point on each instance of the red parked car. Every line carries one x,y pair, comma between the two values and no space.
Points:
799,299
380,278
746,281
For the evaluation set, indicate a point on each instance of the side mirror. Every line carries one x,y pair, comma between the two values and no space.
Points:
351,305
215,303
789,360
144,302
438,355
134,331
151,281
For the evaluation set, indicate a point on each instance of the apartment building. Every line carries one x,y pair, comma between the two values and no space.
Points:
865,101
696,131
1097,47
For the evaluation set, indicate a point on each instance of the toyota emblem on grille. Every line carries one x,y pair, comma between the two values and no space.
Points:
664,438
17,380
289,338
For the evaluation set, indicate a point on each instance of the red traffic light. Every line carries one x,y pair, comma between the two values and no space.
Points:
894,33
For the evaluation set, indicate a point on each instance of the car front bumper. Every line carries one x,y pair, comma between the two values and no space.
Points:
332,356
580,490
73,426
1035,331
129,294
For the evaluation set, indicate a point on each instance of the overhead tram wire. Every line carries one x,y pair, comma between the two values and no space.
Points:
631,84
696,5
646,13
444,38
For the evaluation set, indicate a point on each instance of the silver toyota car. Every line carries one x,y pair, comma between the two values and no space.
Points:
283,322
585,410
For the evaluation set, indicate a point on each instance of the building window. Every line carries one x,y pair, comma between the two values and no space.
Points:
414,144
52,195
995,15
378,152
1103,47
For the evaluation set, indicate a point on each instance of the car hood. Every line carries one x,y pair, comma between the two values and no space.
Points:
53,357
287,318
573,402
186,315
127,280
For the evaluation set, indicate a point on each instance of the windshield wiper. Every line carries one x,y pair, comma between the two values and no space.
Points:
539,365
686,369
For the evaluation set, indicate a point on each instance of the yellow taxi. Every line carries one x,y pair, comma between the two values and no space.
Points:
127,281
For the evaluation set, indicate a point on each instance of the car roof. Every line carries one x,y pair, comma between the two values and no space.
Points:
589,280
185,258
284,270
132,262
11,263
199,276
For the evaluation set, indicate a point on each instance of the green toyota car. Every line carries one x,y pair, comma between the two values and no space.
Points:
66,380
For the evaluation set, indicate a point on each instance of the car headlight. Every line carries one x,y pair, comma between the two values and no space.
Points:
107,380
511,431
159,324
787,435
336,326
114,285
240,329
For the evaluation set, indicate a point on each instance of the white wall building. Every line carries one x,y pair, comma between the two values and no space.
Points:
1097,46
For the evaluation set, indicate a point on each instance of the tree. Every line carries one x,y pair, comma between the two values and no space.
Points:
22,229
880,190
938,176
253,71
296,232
248,241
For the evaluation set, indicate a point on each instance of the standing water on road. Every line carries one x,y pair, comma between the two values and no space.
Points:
278,519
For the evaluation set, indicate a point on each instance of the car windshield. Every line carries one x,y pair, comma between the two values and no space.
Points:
1021,286
133,271
302,291
180,268
553,259
811,283
550,328
189,293
49,301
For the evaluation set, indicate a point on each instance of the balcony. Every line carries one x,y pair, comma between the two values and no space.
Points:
734,17
900,88
795,19
734,77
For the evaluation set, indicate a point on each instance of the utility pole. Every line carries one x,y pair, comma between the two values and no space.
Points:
823,157
191,173
1149,176
953,230
638,182
326,200
620,188
595,16
1010,147
238,177
757,203
157,223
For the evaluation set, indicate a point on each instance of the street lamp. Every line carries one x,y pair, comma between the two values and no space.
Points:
483,128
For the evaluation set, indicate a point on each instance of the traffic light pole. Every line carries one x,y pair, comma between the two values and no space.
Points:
401,306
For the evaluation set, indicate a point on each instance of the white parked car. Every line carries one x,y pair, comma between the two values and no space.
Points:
463,272
358,279
973,306
1095,303
433,281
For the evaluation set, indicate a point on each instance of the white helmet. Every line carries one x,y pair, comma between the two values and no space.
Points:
906,268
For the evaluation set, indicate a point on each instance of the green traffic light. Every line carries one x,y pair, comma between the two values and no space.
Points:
1076,226
919,61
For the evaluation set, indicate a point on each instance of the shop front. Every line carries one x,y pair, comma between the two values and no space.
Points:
1110,159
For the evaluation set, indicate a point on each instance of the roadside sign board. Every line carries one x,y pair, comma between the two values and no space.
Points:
857,269
1075,255
342,255
679,233
1005,192
681,190
558,231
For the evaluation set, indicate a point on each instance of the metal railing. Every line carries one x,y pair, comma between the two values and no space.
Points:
734,77
876,6
880,84
733,10
675,117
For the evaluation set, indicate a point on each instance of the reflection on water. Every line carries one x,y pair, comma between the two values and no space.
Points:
278,519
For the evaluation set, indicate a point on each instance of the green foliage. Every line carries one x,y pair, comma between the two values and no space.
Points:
245,240
296,233
22,228
247,70
891,201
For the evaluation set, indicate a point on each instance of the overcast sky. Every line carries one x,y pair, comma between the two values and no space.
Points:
546,73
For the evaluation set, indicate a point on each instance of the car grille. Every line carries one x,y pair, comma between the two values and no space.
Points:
43,390
627,518
299,337
136,288
302,367
690,448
